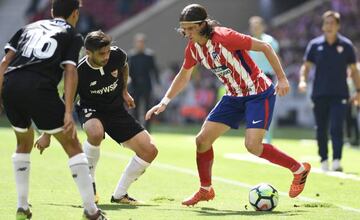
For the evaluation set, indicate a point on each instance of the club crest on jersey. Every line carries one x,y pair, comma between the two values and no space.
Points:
215,56
340,49
114,73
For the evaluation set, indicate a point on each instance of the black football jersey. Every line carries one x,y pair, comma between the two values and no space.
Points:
101,88
44,47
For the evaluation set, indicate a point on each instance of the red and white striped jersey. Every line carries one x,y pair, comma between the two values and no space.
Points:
226,55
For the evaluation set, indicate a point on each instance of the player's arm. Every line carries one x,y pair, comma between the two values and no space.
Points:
177,85
283,87
127,97
9,56
304,73
70,86
354,70
125,74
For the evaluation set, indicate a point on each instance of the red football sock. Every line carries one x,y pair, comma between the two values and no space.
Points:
204,163
278,157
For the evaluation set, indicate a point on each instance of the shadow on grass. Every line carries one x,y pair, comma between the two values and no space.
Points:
122,206
104,206
218,212
204,211
66,205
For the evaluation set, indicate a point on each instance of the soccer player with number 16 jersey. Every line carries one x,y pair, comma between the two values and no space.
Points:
36,58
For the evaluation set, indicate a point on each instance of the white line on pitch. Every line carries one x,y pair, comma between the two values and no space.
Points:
255,159
220,179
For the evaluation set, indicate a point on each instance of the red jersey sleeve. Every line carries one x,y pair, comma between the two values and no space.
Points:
189,60
234,40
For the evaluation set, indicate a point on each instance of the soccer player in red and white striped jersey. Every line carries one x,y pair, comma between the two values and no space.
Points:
250,95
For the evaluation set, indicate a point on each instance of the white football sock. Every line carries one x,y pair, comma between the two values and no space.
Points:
21,163
80,172
135,168
93,154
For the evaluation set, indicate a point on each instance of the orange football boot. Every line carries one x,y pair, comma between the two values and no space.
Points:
201,195
298,183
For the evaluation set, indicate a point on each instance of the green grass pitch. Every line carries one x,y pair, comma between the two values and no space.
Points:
173,176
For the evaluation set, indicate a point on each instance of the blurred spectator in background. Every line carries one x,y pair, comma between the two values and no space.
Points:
37,9
143,72
87,23
257,29
332,54
352,111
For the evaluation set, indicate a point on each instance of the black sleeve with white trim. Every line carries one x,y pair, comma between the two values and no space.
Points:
13,43
72,53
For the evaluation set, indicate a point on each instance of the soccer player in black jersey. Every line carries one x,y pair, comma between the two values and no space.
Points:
103,75
36,58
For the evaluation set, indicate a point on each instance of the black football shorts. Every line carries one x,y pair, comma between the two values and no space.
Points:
119,125
28,96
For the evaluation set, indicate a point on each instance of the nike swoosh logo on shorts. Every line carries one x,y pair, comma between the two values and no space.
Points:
255,122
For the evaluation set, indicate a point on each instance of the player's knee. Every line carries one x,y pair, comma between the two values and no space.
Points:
200,141
252,146
151,151
95,137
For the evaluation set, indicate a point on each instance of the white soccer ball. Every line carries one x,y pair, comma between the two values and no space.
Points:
263,197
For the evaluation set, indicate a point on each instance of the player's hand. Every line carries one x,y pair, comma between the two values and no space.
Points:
282,88
42,142
302,86
69,125
157,109
128,99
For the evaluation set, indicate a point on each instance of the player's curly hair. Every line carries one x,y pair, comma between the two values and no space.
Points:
96,40
197,14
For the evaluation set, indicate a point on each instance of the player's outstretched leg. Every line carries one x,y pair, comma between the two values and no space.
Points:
135,168
146,152
300,170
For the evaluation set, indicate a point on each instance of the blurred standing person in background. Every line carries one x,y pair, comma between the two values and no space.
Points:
352,111
257,29
331,54
143,71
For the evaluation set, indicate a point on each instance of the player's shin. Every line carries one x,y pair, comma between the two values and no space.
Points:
21,163
278,157
80,172
135,168
204,163
93,154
